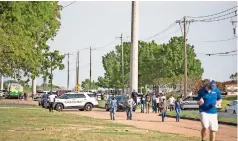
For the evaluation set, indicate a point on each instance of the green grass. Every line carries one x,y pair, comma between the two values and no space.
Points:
194,114
36,124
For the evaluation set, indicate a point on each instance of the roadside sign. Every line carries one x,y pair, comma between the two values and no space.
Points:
78,87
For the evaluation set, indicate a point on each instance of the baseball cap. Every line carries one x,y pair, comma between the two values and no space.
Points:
213,82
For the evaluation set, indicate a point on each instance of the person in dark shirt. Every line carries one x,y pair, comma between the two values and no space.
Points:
143,104
134,96
177,109
164,109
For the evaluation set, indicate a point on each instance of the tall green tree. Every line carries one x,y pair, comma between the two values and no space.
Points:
25,27
159,64
86,84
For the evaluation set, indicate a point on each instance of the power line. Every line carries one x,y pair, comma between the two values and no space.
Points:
213,14
159,33
68,4
98,48
205,55
218,16
217,19
220,53
214,41
164,37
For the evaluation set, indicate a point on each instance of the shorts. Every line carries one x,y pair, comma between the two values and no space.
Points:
209,121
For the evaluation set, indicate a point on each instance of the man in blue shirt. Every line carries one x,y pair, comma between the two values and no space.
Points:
209,97
113,108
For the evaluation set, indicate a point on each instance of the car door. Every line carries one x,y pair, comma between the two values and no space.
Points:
80,100
230,107
187,102
233,107
194,103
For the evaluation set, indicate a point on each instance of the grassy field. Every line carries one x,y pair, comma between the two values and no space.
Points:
36,124
194,114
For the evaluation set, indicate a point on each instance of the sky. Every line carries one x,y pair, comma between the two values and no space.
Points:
95,24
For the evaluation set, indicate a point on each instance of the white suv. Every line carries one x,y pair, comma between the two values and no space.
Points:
76,100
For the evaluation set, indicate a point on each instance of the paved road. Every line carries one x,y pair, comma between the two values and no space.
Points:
153,122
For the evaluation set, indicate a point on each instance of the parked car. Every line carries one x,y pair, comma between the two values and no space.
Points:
44,100
121,103
232,107
191,102
37,96
76,100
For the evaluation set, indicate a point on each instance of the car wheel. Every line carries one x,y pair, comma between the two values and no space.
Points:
234,112
59,107
88,107
106,107
81,109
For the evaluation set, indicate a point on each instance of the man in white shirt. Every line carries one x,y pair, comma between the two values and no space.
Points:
51,102
171,103
129,108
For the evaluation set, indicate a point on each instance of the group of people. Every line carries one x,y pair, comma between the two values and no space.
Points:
160,105
208,97
129,107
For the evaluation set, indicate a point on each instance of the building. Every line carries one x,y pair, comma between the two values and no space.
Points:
231,89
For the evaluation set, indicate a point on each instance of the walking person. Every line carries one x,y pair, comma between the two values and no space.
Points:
134,96
113,108
208,97
51,102
129,108
143,102
153,103
148,100
163,106
157,104
177,109
171,103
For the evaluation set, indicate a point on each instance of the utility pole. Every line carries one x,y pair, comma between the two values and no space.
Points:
134,47
68,71
234,24
185,32
185,57
1,80
77,71
122,64
68,74
90,69
51,74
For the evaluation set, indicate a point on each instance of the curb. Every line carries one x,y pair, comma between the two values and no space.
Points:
195,119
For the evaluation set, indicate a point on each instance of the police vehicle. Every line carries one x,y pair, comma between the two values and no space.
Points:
76,100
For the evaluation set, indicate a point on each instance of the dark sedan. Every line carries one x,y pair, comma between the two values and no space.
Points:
121,103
